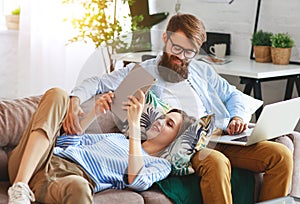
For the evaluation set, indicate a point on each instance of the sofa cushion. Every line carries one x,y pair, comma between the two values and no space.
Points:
155,196
105,123
118,196
186,189
251,105
14,117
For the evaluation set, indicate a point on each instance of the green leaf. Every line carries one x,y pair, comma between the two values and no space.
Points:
261,38
16,11
282,40
97,20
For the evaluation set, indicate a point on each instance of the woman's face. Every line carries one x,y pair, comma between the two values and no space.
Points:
165,129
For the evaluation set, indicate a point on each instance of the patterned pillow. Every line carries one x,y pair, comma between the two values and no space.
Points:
194,138
180,151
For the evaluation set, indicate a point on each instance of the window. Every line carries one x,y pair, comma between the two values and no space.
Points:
1,14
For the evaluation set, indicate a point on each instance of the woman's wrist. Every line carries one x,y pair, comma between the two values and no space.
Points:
135,124
135,130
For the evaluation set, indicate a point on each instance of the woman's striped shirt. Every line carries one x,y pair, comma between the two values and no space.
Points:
104,157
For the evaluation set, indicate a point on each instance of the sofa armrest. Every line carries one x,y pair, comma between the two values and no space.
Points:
295,190
292,141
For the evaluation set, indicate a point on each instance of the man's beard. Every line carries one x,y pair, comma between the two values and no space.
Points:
172,72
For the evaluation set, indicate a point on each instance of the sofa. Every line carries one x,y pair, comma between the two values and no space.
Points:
15,114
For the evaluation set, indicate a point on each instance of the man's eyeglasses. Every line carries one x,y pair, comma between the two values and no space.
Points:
177,49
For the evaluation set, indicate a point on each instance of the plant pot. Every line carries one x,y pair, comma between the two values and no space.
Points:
281,55
262,53
12,21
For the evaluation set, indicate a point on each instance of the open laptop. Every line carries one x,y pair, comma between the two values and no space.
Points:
275,120
137,78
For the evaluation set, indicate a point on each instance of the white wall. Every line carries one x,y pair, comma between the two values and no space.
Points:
8,63
238,20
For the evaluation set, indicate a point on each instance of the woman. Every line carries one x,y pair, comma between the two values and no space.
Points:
85,164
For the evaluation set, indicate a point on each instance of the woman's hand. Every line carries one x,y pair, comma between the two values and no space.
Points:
236,126
103,104
134,107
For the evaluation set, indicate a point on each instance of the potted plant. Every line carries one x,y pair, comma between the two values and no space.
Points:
99,25
282,44
12,20
262,46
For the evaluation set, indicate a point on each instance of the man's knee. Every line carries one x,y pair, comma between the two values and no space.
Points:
210,161
57,95
283,155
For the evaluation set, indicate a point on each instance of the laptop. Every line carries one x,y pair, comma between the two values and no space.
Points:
275,120
137,78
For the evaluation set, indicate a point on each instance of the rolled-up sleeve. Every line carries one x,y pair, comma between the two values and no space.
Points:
97,85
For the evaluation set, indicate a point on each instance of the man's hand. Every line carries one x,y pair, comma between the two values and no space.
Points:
236,126
103,104
71,124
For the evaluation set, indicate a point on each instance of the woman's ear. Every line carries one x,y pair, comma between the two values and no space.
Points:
165,37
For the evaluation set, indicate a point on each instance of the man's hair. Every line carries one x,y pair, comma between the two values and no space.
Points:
192,27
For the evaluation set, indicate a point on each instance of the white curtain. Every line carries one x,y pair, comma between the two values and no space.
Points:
44,60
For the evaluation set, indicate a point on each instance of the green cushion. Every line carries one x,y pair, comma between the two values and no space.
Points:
186,189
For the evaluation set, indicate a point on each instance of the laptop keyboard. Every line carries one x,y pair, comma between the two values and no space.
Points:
241,139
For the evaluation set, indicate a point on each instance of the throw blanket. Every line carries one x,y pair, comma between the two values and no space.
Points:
186,189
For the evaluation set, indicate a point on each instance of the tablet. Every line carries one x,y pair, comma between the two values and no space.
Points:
137,78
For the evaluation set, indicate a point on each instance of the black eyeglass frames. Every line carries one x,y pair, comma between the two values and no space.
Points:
177,50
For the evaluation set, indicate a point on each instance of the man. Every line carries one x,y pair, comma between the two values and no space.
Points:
211,94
